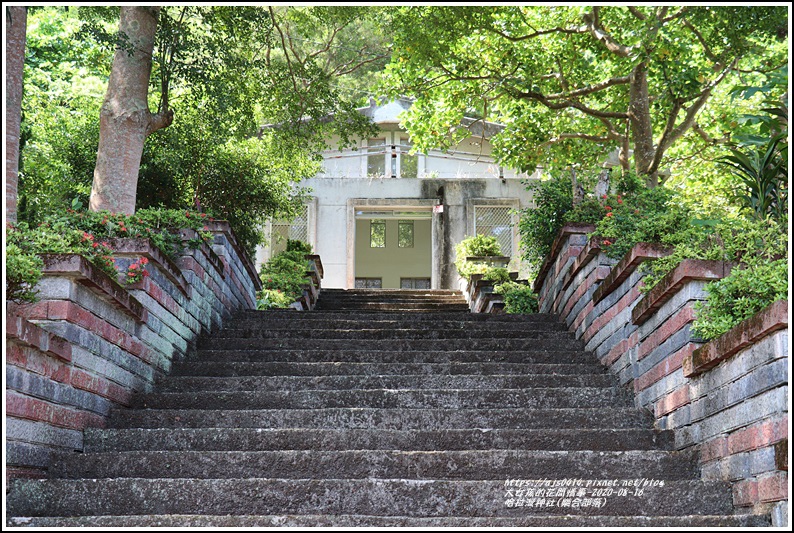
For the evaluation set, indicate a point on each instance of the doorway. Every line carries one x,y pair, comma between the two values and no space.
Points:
393,249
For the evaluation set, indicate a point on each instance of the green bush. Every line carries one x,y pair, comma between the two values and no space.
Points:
299,246
539,225
739,296
162,226
283,278
518,297
496,274
743,241
23,272
650,215
24,244
477,246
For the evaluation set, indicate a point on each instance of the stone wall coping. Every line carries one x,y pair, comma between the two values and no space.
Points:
146,248
768,320
639,253
317,263
209,253
556,246
29,333
590,251
488,259
83,272
686,271
223,226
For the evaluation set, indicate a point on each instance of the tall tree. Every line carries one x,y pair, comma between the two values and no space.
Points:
574,83
16,22
125,119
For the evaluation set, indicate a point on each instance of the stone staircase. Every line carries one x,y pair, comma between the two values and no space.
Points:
381,408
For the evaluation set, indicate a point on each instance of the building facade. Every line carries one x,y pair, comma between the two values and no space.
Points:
381,217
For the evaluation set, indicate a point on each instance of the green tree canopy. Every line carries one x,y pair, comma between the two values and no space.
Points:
573,84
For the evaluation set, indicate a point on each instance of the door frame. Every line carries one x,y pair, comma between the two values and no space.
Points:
409,204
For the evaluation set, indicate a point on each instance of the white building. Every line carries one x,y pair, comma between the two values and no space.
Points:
381,217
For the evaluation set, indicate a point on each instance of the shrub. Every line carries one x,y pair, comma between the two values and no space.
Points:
650,215
23,272
496,274
518,298
162,226
23,266
740,295
299,246
283,278
762,172
539,225
477,246
742,241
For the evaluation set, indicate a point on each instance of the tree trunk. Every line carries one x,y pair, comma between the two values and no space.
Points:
641,127
16,22
125,120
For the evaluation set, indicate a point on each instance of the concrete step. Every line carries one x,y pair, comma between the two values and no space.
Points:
363,382
384,464
403,345
360,334
259,439
432,318
285,323
380,497
540,398
384,418
528,519
388,292
393,307
394,355
390,297
226,368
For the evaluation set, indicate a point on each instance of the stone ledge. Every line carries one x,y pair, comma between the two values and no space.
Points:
565,231
83,272
591,250
145,247
638,254
318,264
208,252
223,226
747,332
686,271
28,333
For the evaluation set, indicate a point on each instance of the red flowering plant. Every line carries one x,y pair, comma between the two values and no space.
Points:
136,271
161,226
637,214
26,243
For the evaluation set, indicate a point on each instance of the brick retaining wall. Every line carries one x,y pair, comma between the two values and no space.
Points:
728,397
89,343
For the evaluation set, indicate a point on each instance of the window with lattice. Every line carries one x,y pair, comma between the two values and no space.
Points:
296,229
497,222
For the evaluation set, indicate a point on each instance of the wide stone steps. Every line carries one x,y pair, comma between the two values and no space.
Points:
394,306
230,368
493,327
390,333
378,497
350,521
260,319
384,464
383,418
369,415
363,382
263,439
387,344
369,355
540,398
